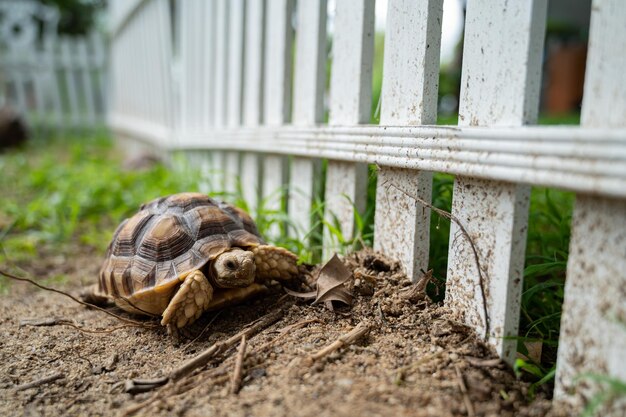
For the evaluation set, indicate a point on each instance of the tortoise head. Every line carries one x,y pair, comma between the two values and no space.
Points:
233,269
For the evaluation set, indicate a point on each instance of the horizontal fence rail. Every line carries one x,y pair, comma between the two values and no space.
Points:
591,160
216,77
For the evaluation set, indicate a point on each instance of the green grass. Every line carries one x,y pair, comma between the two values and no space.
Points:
58,192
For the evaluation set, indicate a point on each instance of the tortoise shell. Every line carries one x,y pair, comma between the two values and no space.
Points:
169,238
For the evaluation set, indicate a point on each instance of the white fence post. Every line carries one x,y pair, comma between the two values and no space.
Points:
351,96
221,92
593,324
308,96
68,59
277,98
233,106
499,86
83,57
409,97
254,53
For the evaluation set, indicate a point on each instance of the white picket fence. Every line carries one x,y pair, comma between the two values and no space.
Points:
217,75
54,81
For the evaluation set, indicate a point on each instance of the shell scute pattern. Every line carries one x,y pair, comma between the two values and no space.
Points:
170,237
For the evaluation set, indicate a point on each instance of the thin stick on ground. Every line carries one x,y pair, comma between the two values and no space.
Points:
40,381
198,361
43,287
466,399
347,339
450,216
219,347
235,384
43,322
215,316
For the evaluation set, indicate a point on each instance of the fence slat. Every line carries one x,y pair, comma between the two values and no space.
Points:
85,72
67,59
96,40
351,95
277,98
219,92
409,97
164,61
308,96
253,95
231,171
221,61
593,336
499,86
235,63
204,90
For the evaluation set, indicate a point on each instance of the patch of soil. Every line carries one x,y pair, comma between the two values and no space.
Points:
417,359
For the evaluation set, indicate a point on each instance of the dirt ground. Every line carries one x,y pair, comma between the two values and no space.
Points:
417,359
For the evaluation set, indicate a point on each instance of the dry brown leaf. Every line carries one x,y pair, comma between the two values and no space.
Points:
329,284
417,291
534,350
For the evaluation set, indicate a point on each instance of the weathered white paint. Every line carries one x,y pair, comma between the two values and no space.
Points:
220,61
409,97
253,62
197,64
351,95
231,172
593,332
69,64
235,63
217,93
254,52
277,98
250,176
218,170
591,160
500,84
144,97
308,96
82,57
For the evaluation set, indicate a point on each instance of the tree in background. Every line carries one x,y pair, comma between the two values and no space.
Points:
77,17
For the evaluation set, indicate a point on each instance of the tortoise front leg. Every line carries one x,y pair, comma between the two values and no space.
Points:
273,262
191,299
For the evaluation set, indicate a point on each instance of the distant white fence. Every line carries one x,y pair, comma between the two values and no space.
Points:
54,81
217,75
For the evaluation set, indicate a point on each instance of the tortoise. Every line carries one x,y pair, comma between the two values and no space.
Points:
182,254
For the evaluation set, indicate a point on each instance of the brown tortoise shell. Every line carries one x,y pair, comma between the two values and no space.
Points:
170,237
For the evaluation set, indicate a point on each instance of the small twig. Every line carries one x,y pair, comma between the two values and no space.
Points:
381,314
43,287
137,386
347,339
466,399
219,347
417,291
484,363
450,216
52,321
235,383
203,330
41,381
216,376
198,361
285,330
66,322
